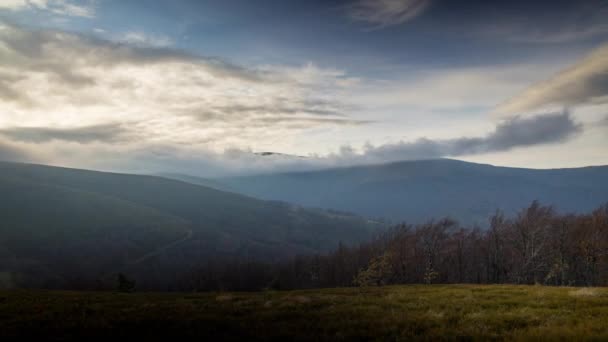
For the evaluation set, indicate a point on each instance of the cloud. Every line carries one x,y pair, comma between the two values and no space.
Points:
140,38
12,153
383,13
570,21
59,7
586,82
303,122
81,135
56,79
80,101
512,133
449,89
45,50
190,159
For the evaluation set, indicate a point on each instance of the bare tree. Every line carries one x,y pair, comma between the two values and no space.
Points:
496,245
432,237
529,232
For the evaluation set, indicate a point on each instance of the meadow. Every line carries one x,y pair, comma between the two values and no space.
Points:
395,313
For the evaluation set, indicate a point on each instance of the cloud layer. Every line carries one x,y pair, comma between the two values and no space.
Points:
58,79
140,38
586,82
383,13
76,100
513,133
59,7
510,134
82,135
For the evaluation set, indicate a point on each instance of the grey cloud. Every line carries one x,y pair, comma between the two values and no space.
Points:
82,135
9,94
584,83
542,129
567,22
246,115
383,13
516,132
276,109
8,152
312,111
307,121
48,50
280,107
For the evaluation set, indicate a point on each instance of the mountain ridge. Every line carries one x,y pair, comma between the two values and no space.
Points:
415,191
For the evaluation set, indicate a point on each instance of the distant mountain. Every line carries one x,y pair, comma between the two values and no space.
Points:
277,154
415,191
63,226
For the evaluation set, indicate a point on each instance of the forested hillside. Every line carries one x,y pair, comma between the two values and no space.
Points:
73,228
535,246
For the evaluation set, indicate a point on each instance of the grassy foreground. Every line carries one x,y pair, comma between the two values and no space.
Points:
389,313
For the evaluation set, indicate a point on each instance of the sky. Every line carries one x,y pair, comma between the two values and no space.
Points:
201,86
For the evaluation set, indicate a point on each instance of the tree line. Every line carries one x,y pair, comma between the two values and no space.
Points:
535,246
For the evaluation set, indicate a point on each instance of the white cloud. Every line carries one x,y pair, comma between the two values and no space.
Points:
14,4
140,38
382,13
59,7
55,83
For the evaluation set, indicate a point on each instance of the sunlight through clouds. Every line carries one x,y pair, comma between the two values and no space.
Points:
59,7
66,81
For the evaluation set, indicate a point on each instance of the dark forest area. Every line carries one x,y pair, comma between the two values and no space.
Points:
537,246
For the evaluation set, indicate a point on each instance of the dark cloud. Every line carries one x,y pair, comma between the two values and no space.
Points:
541,129
82,135
527,24
296,108
516,132
383,13
324,110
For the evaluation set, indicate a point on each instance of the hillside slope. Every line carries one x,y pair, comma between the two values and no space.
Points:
66,223
415,191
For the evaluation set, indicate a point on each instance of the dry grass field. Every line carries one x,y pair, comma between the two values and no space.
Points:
454,312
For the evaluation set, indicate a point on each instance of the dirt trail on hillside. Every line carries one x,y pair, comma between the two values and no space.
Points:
162,249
